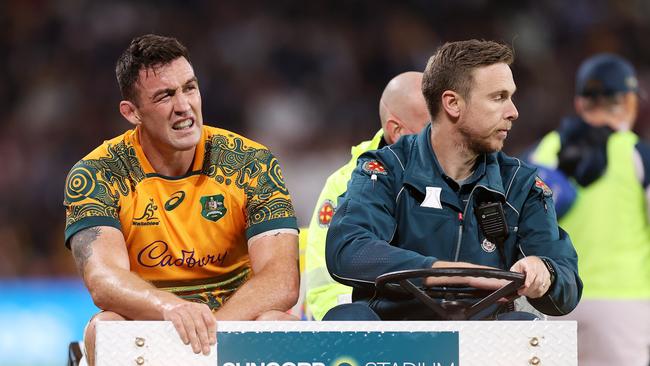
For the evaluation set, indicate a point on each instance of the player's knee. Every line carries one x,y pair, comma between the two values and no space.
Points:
89,333
106,316
276,315
101,316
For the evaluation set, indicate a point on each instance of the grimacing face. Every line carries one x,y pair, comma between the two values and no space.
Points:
169,107
489,110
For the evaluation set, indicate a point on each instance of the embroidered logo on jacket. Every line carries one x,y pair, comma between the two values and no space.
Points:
325,213
539,183
212,207
488,246
374,167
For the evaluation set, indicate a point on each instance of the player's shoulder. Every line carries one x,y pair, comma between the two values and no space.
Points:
113,146
113,154
230,140
110,164
114,160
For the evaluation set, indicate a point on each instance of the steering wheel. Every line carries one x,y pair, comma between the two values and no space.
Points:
450,302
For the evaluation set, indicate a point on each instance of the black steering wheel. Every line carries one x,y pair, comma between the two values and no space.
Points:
451,302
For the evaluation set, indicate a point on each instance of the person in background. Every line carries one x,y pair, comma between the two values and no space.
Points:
402,111
608,220
174,220
413,205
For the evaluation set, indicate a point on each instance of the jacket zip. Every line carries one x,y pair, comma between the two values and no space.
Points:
460,234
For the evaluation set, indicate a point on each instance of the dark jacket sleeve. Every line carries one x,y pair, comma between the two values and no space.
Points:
357,248
540,235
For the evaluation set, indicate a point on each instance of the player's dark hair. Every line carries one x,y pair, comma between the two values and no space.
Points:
450,68
144,52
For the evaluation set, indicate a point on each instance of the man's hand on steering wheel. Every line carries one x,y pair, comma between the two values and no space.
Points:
538,278
441,293
476,282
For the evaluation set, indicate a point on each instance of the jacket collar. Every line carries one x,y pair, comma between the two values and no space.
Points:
423,170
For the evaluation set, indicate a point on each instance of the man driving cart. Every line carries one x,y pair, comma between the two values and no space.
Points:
449,198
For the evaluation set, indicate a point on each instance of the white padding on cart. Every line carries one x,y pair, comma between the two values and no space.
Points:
479,343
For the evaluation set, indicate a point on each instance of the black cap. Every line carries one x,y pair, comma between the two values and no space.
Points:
606,74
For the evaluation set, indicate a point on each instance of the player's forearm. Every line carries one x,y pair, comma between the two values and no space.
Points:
125,293
103,261
274,288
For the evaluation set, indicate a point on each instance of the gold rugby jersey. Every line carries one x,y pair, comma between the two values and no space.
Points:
185,234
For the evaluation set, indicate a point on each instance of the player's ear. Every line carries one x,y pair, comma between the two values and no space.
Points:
451,103
130,112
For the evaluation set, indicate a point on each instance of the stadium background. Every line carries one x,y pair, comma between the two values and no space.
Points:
302,77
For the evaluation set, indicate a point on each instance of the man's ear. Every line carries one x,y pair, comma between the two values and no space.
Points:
452,103
130,112
393,130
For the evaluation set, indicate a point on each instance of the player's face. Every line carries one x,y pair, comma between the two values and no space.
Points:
170,106
488,114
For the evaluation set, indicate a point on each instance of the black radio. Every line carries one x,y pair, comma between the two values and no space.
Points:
492,222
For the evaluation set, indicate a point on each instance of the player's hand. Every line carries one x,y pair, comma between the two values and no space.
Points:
194,323
538,279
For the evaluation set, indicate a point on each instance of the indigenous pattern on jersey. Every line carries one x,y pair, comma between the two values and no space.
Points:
185,234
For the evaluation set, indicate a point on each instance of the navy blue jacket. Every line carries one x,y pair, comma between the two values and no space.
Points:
380,225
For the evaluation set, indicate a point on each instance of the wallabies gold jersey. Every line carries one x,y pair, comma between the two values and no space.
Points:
188,234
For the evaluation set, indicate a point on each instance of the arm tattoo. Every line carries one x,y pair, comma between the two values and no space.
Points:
81,244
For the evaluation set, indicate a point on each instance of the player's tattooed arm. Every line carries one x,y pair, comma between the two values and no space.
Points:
81,245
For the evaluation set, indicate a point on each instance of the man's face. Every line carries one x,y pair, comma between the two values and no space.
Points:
487,115
169,106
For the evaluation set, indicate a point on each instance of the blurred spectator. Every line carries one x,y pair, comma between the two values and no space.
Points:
608,221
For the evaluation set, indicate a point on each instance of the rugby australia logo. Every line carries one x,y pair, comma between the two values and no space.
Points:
212,207
148,217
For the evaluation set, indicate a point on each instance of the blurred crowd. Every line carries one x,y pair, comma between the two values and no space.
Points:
302,77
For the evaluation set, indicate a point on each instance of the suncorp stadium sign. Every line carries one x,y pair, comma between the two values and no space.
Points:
338,348
341,364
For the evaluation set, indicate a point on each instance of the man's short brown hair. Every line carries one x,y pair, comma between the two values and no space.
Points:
147,51
450,68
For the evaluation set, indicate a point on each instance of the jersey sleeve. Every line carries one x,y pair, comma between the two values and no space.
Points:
88,201
268,205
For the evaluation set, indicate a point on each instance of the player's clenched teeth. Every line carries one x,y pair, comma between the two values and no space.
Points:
181,125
